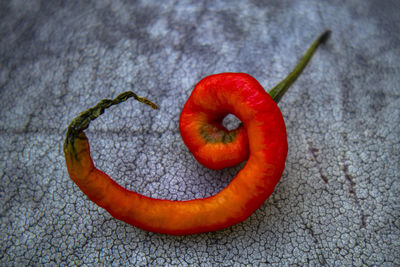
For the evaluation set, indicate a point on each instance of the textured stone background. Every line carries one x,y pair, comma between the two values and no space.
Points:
337,203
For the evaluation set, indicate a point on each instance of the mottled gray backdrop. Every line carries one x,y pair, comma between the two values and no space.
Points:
337,203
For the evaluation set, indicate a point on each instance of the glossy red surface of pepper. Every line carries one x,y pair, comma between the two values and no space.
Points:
260,139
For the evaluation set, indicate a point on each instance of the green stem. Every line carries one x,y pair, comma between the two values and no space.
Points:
280,89
82,121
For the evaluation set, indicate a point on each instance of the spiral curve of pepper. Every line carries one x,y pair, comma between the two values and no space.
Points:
260,139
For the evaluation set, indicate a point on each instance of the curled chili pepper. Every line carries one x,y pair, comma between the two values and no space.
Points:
260,139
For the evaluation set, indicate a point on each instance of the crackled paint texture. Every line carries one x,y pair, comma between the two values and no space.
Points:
338,201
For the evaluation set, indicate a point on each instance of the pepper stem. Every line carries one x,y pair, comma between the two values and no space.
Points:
280,89
81,122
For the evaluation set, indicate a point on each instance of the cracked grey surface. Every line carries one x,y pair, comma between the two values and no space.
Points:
337,203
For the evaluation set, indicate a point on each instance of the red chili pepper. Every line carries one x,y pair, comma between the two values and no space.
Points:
261,139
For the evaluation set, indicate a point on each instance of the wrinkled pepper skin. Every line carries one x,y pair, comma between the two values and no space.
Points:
261,139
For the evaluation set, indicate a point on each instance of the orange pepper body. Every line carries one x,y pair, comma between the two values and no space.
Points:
261,139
